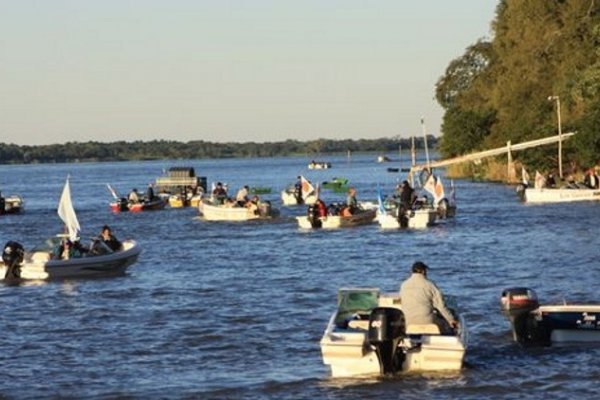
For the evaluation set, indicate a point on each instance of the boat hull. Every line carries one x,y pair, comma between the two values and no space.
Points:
12,205
156,204
418,219
335,221
40,266
223,213
289,199
549,195
176,201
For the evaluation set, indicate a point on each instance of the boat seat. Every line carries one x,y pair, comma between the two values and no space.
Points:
419,329
360,324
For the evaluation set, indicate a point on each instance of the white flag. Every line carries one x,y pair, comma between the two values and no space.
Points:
67,213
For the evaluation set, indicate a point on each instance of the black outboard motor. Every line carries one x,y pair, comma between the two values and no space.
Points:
521,191
313,216
12,255
402,217
123,204
516,305
386,328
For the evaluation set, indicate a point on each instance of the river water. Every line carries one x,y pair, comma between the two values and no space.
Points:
224,310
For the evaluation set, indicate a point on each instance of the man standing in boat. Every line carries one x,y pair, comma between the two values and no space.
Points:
423,303
351,201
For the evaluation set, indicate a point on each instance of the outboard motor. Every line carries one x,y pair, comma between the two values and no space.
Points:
442,208
386,328
12,255
516,305
123,204
521,191
402,217
313,216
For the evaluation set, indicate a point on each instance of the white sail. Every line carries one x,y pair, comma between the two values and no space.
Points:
67,213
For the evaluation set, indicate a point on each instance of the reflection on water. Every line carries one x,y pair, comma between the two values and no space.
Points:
220,310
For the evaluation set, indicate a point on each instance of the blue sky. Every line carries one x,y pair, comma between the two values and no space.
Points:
225,70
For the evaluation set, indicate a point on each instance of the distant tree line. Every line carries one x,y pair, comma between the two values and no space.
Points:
164,149
498,89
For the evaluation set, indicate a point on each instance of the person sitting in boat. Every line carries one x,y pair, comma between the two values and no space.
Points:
550,181
351,202
253,204
149,193
242,196
110,240
219,193
133,197
591,179
321,208
298,190
67,249
423,303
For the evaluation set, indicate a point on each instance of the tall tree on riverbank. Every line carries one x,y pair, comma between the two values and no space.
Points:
498,90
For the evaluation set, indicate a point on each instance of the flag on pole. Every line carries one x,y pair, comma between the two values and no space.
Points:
540,181
430,185
380,201
524,176
67,213
307,188
112,191
439,191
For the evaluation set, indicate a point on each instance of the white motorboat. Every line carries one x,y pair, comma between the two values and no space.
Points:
367,336
39,264
308,194
48,262
535,324
12,205
414,219
232,212
288,198
557,195
319,165
362,217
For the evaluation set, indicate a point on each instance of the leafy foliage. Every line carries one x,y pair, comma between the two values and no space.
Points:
163,149
498,90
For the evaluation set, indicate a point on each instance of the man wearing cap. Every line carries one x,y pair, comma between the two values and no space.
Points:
420,297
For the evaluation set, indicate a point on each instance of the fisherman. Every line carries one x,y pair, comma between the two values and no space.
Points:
407,195
351,201
321,208
591,179
550,181
133,196
219,194
242,196
149,193
2,204
109,239
298,190
423,303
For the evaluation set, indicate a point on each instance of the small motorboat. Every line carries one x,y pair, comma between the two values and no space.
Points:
52,260
576,192
233,212
260,190
364,216
122,204
319,165
187,200
335,183
12,205
534,324
40,264
382,159
367,335
308,194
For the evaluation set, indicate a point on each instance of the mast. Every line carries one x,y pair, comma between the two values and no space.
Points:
426,147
